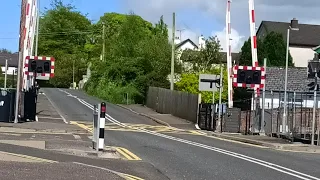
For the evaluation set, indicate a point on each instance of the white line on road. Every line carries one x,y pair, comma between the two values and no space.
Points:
55,107
123,175
273,166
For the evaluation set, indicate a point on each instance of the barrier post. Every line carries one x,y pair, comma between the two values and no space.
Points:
102,121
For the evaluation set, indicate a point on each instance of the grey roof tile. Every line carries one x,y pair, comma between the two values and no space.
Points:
308,34
297,79
13,59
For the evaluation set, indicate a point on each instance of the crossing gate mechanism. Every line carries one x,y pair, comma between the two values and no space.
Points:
42,66
248,76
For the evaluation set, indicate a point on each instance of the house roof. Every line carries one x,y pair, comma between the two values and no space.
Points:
184,42
235,57
13,59
297,79
307,35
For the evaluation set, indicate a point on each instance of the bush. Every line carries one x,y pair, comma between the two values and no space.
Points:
112,92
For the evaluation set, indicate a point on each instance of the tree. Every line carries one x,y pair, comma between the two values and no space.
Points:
271,47
63,35
204,59
190,83
246,54
276,48
138,57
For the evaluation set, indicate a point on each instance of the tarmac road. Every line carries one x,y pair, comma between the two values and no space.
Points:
188,156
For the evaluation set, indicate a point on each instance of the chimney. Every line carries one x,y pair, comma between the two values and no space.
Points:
294,24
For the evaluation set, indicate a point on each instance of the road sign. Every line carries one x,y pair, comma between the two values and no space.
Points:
209,82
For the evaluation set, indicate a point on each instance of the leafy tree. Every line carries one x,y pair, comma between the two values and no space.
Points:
276,48
138,57
204,59
63,35
271,47
246,54
190,83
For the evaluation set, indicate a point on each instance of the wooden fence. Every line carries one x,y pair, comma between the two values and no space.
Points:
177,103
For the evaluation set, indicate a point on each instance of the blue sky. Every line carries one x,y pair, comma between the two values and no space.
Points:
10,15
196,17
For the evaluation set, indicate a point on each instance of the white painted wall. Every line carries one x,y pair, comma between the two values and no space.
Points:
301,55
187,45
9,71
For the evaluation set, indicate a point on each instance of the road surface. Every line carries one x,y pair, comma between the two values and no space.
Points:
186,155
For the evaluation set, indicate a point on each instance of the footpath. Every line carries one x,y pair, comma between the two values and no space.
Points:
265,141
51,148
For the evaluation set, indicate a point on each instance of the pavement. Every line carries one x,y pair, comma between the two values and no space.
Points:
180,151
265,141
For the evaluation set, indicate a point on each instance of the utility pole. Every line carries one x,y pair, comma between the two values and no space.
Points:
73,86
18,91
220,98
104,41
5,75
173,51
38,27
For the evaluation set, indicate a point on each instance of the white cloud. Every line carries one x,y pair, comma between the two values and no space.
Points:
274,10
236,42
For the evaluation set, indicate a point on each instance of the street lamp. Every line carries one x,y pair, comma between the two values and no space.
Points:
293,26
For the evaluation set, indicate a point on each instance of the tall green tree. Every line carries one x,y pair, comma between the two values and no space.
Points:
271,47
138,56
63,35
204,59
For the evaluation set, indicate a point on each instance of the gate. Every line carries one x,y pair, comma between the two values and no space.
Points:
7,101
205,119
30,104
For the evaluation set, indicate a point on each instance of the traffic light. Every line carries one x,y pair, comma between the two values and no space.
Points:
46,67
33,66
40,66
249,76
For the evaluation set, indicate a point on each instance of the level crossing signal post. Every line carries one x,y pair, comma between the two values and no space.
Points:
250,77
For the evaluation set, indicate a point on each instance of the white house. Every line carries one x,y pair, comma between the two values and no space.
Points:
13,60
303,38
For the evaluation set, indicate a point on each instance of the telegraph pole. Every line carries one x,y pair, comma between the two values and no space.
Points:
173,51
104,41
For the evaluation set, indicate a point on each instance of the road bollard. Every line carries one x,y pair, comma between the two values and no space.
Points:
102,122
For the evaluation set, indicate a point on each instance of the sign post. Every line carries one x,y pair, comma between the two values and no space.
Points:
210,82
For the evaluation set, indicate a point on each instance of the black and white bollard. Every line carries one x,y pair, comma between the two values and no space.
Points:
102,121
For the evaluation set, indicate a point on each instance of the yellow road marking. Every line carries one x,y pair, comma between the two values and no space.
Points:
82,126
127,154
129,177
29,157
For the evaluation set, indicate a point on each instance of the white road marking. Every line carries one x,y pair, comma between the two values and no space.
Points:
76,136
55,107
270,165
123,175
